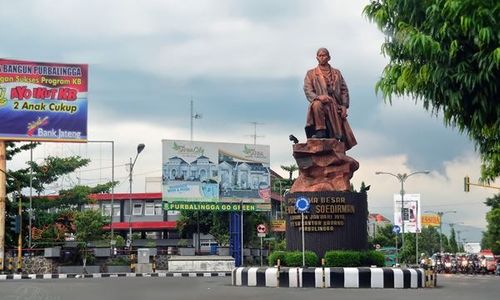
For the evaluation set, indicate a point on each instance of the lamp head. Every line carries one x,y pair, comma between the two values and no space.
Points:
140,147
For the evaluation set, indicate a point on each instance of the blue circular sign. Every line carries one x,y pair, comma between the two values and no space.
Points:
302,205
396,229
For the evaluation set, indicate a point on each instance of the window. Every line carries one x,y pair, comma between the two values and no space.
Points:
149,209
91,207
137,211
106,210
158,209
116,210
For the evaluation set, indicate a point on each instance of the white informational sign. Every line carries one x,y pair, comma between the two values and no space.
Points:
411,212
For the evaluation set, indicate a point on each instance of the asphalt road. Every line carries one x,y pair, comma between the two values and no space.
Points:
456,287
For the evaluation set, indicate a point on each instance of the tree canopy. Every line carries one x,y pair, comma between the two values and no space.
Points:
446,54
491,237
50,226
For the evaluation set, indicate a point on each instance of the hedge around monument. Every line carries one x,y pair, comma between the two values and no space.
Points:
335,258
293,259
353,258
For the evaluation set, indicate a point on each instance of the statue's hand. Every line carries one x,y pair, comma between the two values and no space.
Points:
324,99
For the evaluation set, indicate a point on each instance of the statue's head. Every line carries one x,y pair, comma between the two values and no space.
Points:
323,56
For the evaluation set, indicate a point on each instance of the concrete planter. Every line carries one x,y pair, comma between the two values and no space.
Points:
186,251
202,263
223,251
52,252
118,269
78,269
153,251
102,252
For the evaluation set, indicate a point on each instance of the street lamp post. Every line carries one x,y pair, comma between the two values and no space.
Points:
441,214
140,147
402,178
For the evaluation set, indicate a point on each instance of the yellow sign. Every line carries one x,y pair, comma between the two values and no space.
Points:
430,220
278,225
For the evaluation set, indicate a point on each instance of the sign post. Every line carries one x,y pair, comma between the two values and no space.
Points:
261,232
396,229
302,205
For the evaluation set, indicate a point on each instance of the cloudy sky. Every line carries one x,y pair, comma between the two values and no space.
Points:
240,62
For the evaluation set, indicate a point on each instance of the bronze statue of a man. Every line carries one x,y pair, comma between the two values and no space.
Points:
327,92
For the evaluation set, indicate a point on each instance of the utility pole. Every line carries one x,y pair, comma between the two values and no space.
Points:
192,117
3,195
254,135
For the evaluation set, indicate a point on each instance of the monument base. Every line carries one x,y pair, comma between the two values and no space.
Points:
336,221
323,166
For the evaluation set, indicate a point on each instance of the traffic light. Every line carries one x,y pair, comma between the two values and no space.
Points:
466,184
15,224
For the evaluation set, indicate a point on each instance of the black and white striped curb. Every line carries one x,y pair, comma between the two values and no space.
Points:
330,277
112,275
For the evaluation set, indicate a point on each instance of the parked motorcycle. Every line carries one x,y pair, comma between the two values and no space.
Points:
454,265
471,265
464,265
483,268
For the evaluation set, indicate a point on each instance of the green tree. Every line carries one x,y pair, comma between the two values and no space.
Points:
453,241
290,169
446,54
48,226
89,225
491,237
385,237
217,224
428,241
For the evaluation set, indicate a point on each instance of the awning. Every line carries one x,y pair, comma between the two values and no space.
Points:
152,225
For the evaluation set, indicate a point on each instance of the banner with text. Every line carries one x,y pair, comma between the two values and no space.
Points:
210,172
411,212
431,220
43,101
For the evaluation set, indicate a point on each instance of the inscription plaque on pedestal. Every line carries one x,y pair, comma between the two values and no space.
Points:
336,221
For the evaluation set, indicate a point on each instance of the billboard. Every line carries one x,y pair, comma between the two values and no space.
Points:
207,176
430,220
43,101
411,212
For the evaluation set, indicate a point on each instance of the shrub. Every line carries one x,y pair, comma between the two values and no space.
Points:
354,259
294,259
119,261
275,255
342,259
373,258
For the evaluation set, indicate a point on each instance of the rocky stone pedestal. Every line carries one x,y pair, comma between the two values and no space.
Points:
323,166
